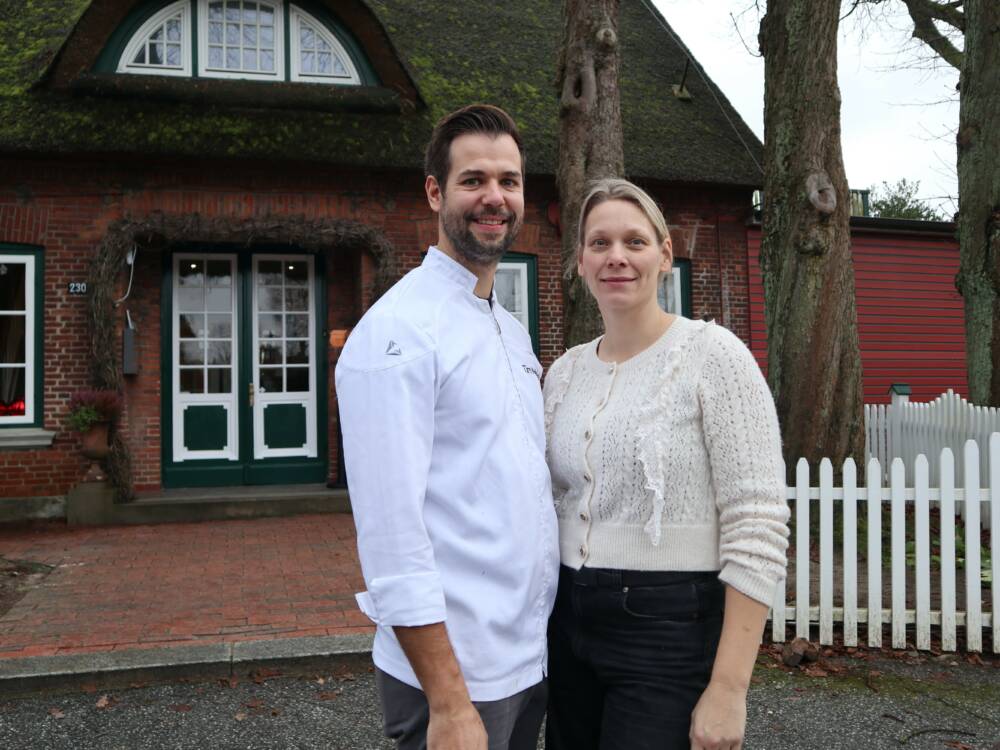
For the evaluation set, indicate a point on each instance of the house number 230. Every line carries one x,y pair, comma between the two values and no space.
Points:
78,287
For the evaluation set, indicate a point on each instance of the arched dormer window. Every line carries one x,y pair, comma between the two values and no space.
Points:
271,40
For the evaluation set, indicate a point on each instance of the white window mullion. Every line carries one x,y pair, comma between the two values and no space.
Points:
28,315
164,22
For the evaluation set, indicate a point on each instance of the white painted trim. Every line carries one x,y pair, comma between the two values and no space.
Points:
140,38
297,16
521,268
29,337
306,398
26,437
181,401
279,46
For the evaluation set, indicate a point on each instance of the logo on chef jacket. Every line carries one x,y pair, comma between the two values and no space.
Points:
393,349
532,371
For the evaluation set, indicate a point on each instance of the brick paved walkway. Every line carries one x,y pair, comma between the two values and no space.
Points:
128,587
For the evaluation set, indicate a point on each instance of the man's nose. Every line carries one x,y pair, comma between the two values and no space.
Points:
493,195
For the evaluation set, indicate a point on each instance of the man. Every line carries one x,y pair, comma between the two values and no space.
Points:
445,451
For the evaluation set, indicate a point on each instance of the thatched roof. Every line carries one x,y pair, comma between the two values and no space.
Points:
431,56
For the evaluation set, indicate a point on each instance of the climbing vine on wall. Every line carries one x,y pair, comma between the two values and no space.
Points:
159,232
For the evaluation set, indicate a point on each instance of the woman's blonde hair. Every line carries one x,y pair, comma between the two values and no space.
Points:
616,189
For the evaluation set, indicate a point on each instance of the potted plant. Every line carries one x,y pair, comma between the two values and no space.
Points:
91,413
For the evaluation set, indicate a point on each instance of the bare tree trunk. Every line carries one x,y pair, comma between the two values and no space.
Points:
814,364
590,138
979,198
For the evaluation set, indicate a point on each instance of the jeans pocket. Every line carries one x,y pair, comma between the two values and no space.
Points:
676,602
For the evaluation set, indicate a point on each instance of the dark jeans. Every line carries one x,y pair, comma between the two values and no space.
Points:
630,654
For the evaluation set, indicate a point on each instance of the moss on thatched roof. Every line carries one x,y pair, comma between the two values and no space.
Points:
455,53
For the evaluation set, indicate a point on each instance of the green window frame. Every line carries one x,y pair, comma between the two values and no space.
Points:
151,17
21,350
522,269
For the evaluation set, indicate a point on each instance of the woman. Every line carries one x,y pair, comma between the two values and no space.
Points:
666,468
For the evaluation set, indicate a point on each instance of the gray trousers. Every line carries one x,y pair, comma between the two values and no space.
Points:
511,724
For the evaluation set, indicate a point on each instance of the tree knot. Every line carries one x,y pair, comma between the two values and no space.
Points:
822,194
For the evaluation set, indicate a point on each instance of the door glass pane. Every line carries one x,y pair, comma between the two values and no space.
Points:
297,300
296,273
220,326
12,286
269,273
191,300
297,352
219,298
191,272
12,393
270,353
192,353
269,298
12,328
270,379
220,380
220,273
296,326
219,353
193,381
298,378
192,326
269,326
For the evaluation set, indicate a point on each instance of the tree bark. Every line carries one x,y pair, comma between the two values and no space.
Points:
814,364
590,139
979,198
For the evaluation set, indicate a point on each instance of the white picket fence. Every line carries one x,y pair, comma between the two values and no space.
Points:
905,430
816,605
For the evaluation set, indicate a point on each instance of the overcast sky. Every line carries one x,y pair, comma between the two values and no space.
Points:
899,106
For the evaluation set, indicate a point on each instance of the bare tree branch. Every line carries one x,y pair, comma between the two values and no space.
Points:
924,13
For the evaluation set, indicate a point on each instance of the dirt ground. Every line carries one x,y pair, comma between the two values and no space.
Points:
17,577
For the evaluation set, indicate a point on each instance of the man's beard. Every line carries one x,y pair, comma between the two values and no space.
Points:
459,232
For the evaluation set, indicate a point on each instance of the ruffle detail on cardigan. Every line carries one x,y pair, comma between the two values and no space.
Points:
557,383
652,439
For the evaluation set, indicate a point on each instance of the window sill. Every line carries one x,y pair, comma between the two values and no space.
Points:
26,437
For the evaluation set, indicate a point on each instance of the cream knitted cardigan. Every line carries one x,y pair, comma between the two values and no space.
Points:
670,460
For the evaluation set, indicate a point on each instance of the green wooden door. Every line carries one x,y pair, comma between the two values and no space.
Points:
244,372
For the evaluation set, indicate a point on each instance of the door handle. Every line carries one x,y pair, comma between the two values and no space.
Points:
250,392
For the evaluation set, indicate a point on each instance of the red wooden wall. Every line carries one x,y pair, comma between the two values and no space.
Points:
910,319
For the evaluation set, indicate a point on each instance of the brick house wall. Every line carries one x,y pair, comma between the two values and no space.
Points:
66,206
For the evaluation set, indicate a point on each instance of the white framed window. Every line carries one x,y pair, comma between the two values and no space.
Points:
316,54
674,291
511,285
18,361
162,45
243,39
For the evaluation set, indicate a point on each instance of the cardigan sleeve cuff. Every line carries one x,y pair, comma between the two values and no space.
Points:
754,584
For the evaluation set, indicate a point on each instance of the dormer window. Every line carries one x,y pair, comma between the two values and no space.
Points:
241,39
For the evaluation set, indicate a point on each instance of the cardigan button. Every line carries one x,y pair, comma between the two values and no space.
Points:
586,477
584,517
587,434
583,550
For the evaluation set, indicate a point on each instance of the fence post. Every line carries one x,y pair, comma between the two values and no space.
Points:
850,516
874,554
802,549
896,439
949,641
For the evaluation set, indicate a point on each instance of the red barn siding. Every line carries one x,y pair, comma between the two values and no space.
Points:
910,318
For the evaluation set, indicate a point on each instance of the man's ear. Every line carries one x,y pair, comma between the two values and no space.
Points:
435,195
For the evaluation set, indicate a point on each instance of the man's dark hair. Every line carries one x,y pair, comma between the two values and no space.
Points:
475,118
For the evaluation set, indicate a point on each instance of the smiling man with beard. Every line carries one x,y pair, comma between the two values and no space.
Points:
444,445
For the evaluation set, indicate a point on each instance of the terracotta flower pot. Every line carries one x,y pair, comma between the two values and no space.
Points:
94,445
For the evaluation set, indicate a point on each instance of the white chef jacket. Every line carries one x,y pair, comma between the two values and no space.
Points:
444,444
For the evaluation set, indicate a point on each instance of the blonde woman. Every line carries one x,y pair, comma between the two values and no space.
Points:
665,455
